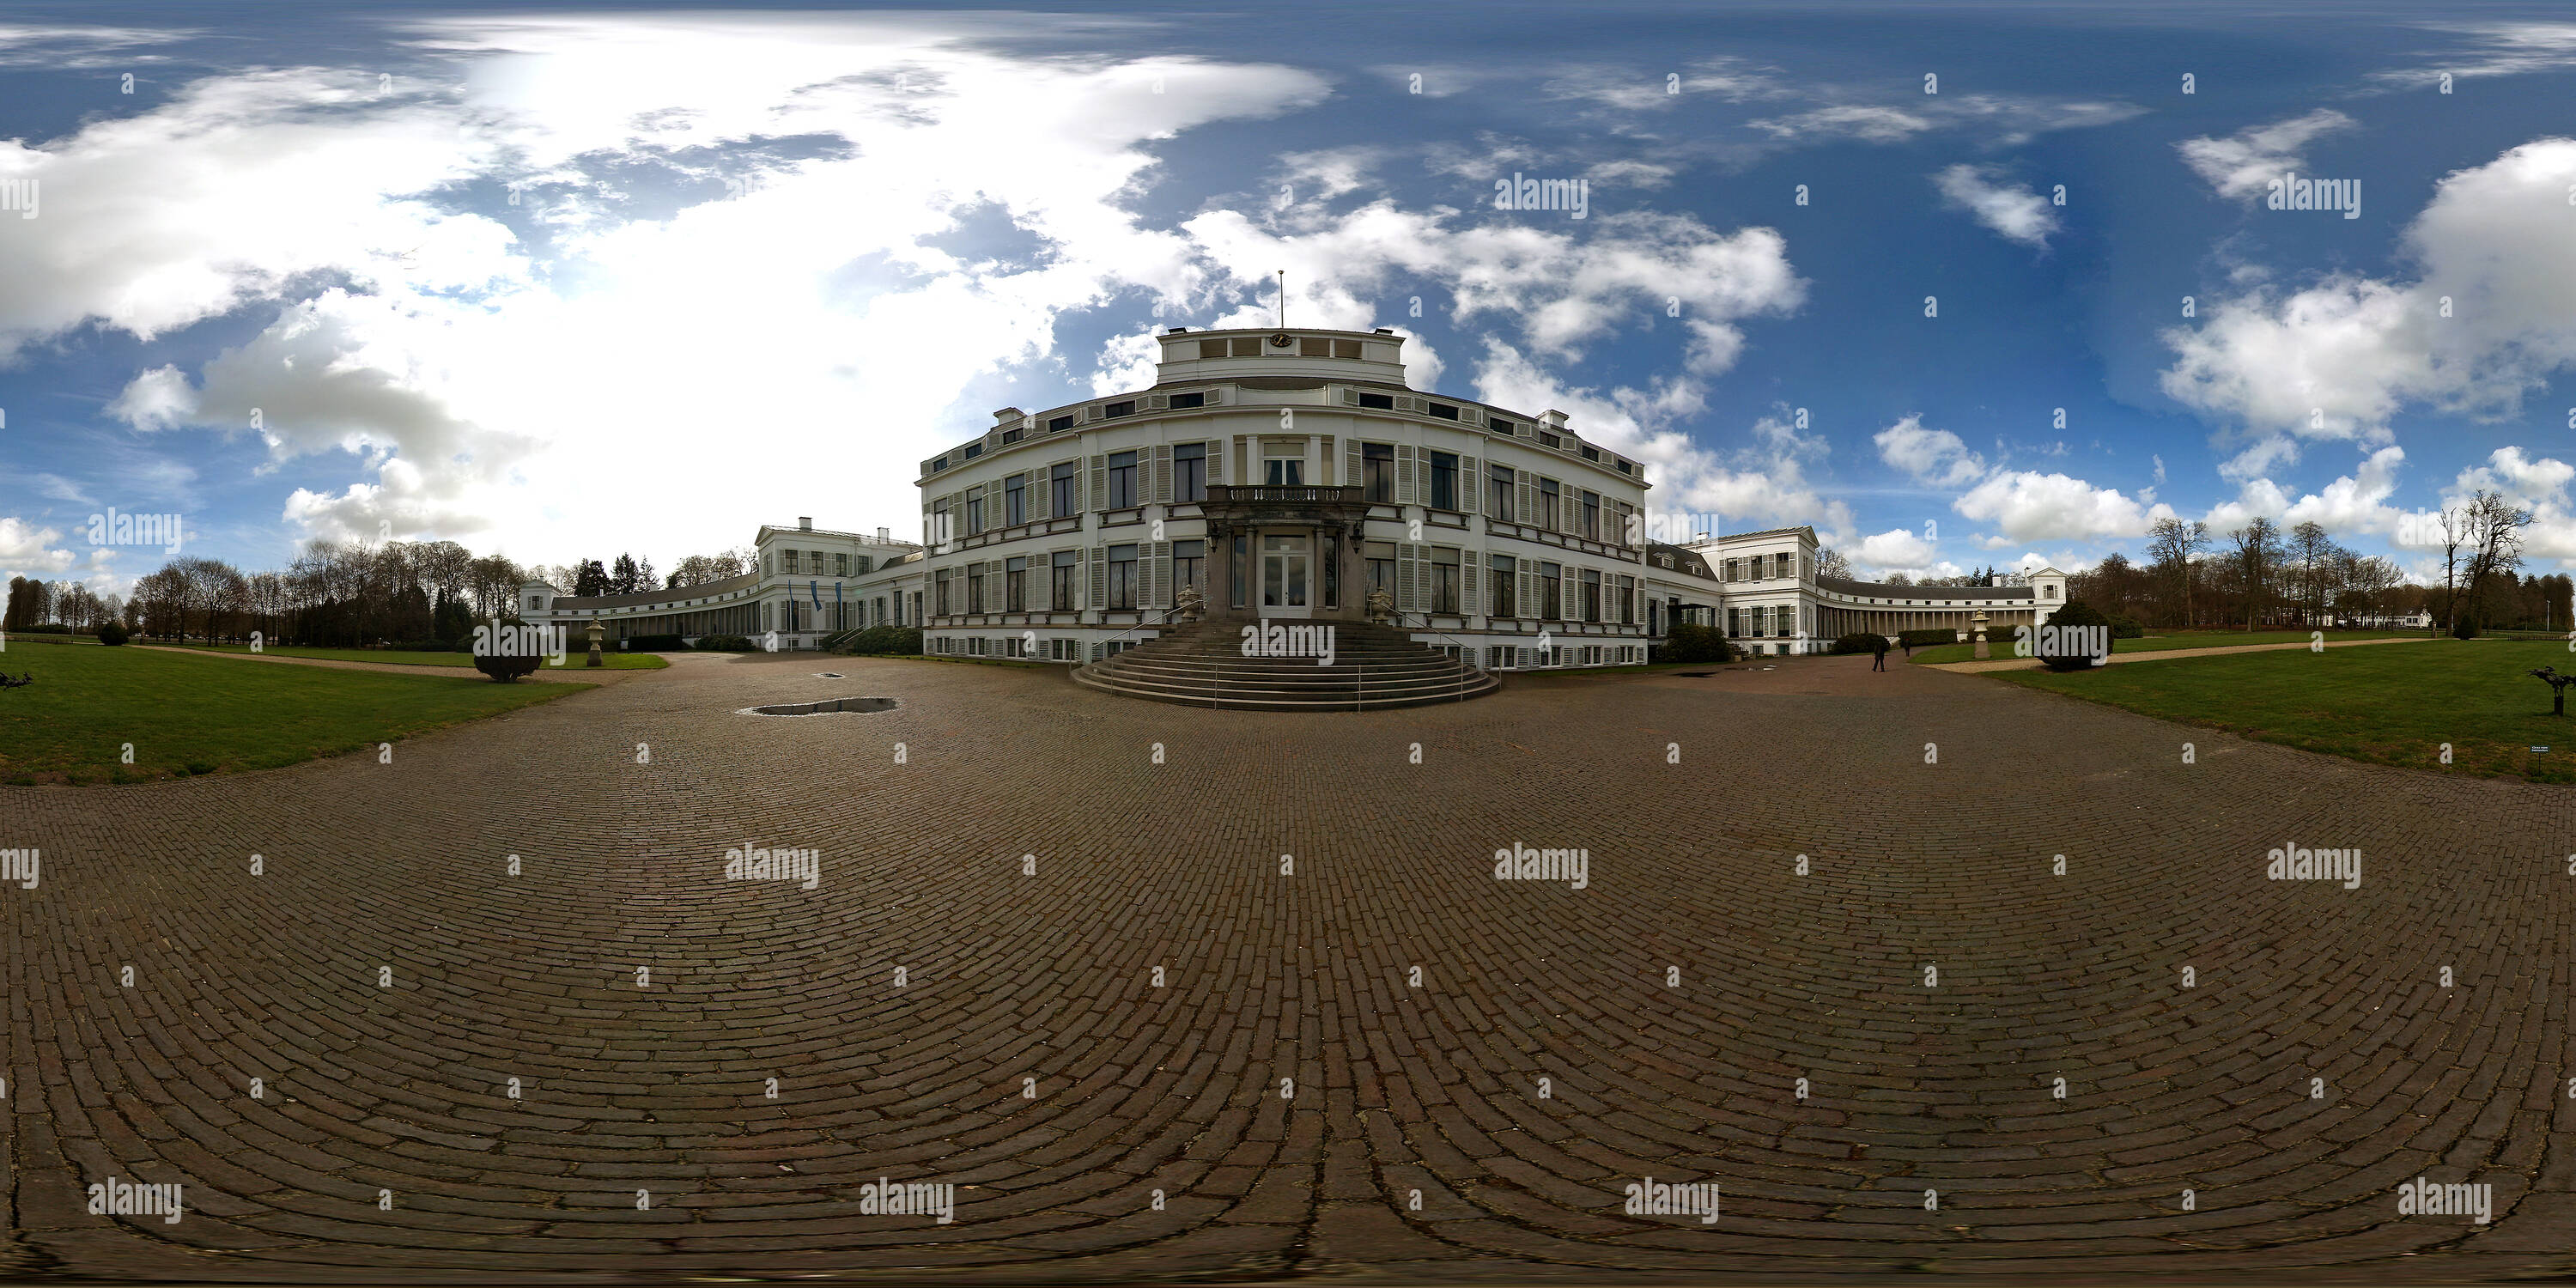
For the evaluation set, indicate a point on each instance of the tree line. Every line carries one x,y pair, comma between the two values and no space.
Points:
342,594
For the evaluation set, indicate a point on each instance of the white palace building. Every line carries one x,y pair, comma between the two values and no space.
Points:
1286,475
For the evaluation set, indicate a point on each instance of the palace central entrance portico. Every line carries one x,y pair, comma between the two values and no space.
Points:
1285,552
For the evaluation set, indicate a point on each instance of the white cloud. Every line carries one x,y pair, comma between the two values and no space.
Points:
1895,550
2013,119
2495,49
2018,214
2242,164
1850,120
2025,505
2339,358
28,550
1933,456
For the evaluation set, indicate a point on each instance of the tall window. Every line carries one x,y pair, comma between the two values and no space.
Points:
1444,580
1550,504
1122,480
1444,480
1285,471
1592,515
1592,594
1504,601
1122,576
1377,472
1015,580
1381,565
1189,472
1500,506
1189,565
1015,501
1061,572
974,513
1240,563
1551,580
938,586
1061,479
975,588
841,565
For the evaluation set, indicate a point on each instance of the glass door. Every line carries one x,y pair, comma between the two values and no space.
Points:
1284,566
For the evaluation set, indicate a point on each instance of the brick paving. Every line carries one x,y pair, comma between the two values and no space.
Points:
386,1145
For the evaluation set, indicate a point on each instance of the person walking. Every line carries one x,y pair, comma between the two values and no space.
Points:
1878,650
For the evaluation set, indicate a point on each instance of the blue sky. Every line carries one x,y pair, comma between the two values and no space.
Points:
562,282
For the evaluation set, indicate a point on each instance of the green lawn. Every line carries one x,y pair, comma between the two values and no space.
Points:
610,659
2391,705
199,715
2000,643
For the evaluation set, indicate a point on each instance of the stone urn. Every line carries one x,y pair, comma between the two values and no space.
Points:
1381,606
1189,603
596,635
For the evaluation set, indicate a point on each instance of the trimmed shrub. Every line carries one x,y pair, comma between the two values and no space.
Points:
111,634
2062,647
1928,636
888,640
2124,627
725,644
2464,629
1859,642
506,668
649,644
1691,642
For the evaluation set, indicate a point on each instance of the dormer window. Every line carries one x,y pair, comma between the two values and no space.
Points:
938,465
1444,411
974,450
1550,440
1591,453
1378,402
1183,402
1059,424
1118,409
1010,436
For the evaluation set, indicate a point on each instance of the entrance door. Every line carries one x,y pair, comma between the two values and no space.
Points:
1285,562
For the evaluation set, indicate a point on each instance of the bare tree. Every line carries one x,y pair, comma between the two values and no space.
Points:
2173,545
2493,534
2258,554
1831,563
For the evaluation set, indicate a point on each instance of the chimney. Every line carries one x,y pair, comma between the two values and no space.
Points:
1007,416
885,535
805,523
1995,580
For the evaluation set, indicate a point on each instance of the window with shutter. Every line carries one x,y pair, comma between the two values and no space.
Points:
1099,482
1037,494
1350,462
1408,483
1571,517
1161,484
1158,574
1525,498
1469,562
1098,559
1471,485
1216,460
1572,605
1528,596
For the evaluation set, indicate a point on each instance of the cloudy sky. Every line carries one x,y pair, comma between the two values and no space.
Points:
565,282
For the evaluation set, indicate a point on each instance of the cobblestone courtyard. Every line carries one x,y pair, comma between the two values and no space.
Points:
1300,1100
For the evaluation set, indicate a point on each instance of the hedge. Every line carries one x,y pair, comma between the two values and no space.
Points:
1928,636
1859,642
899,641
1691,642
649,644
725,644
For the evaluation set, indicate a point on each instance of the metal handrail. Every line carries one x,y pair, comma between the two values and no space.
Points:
1467,651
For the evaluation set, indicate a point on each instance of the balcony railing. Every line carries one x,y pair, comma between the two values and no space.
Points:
1222,492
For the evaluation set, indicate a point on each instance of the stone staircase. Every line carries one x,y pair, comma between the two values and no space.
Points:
1203,665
